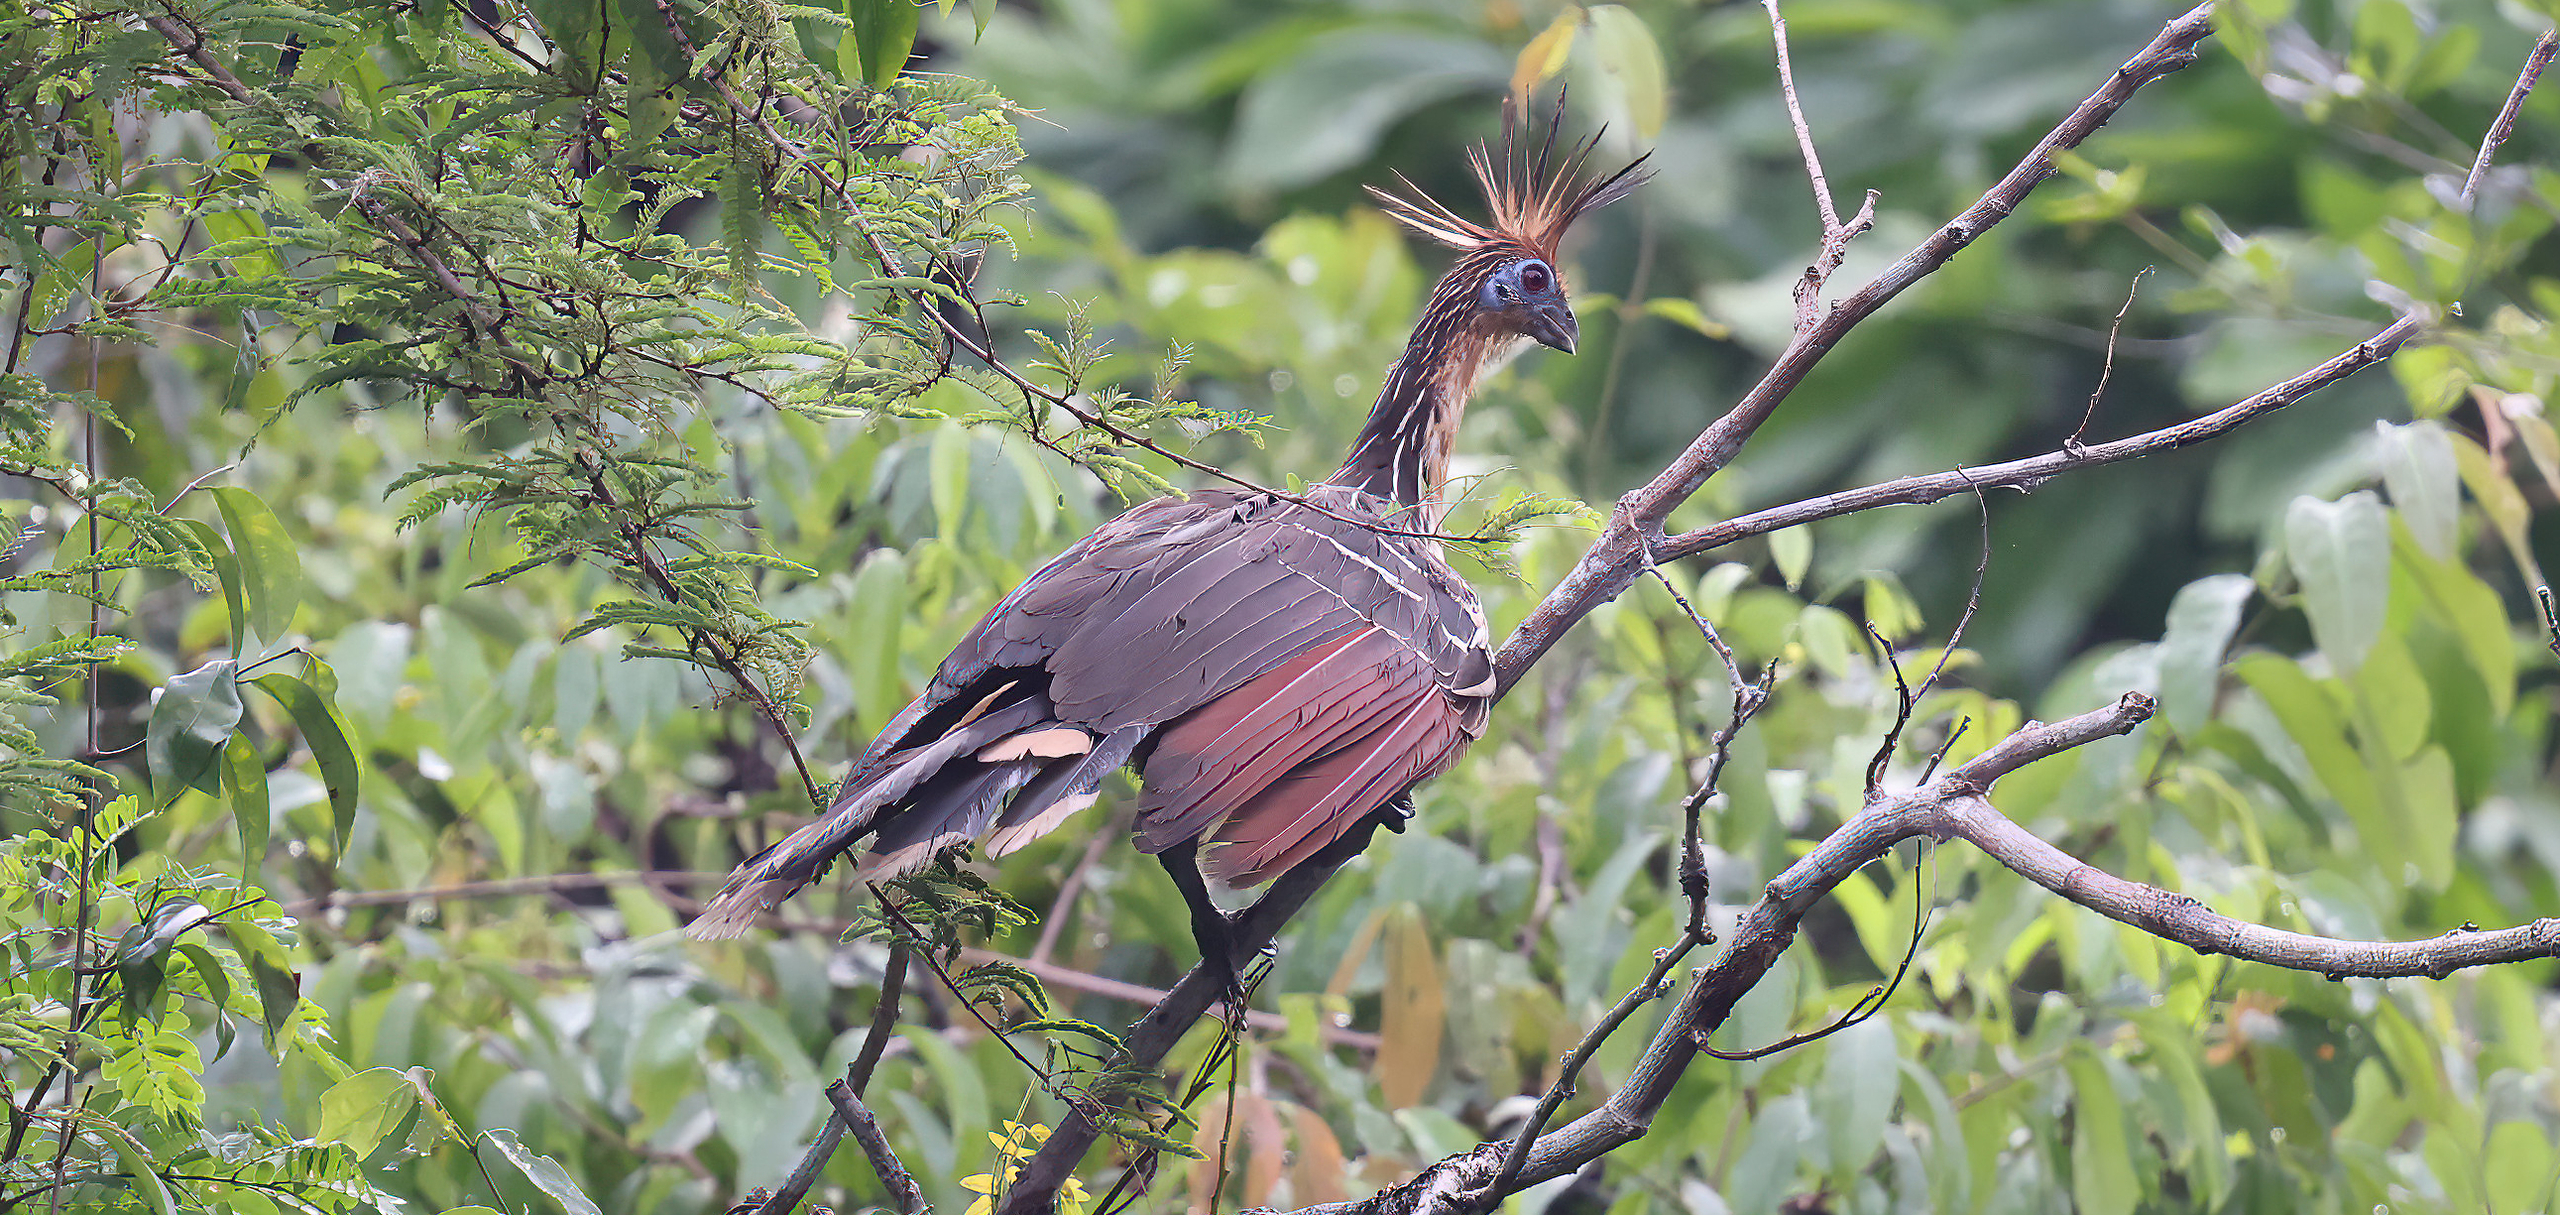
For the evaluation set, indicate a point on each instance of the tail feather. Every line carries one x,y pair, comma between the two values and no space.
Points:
772,875
958,806
1063,788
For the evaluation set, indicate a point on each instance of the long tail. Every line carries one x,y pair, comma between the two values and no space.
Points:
928,797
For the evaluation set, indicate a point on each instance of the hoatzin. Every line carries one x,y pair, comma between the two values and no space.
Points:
1281,673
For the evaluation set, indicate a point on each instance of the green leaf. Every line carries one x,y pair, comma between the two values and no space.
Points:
2201,621
226,568
879,611
950,480
270,562
363,1109
141,1176
2517,1166
2418,468
1792,549
141,957
1684,312
2316,725
2102,1180
189,724
244,781
545,1173
577,28
883,35
325,732
1860,1078
2340,553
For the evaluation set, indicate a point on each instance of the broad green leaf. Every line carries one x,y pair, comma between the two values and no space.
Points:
2433,377
2313,720
2501,501
362,1109
244,782
55,288
883,35
2392,700
2201,621
2340,553
142,1176
270,563
238,229
2102,1180
661,61
2518,1168
2470,608
877,617
325,732
1765,1172
190,722
1860,1080
2425,483
577,28
1792,549
2433,813
1685,312
543,1171
951,473
142,955
226,569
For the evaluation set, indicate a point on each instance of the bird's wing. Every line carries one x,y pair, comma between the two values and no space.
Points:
1268,636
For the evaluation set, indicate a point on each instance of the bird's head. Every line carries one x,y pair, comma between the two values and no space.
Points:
1505,280
1524,293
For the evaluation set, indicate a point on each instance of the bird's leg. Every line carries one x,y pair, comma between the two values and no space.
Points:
1209,926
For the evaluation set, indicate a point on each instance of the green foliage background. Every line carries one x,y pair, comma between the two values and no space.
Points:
428,612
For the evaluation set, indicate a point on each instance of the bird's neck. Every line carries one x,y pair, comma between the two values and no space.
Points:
1402,454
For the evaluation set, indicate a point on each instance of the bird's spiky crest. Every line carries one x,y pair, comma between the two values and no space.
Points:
1534,197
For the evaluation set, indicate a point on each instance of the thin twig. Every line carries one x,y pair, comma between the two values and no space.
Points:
1795,114
2107,370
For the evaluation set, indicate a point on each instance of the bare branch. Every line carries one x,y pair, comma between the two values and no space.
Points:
904,1197
2178,918
2506,121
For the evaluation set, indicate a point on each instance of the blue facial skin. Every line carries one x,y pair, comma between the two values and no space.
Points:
1526,293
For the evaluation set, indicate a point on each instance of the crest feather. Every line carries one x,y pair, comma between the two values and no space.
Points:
1534,196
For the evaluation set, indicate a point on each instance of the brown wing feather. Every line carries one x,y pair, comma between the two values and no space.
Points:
1299,753
1233,639
1298,814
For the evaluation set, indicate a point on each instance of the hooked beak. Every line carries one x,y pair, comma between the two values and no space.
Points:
1552,325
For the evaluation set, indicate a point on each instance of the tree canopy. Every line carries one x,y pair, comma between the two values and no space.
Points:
479,469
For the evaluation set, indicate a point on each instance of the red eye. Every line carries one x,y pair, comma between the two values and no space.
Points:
1533,279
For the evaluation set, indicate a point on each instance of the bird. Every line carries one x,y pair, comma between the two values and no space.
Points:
1280,670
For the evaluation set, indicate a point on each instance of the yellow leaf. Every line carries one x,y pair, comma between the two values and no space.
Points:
1415,1009
1544,56
1317,1176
